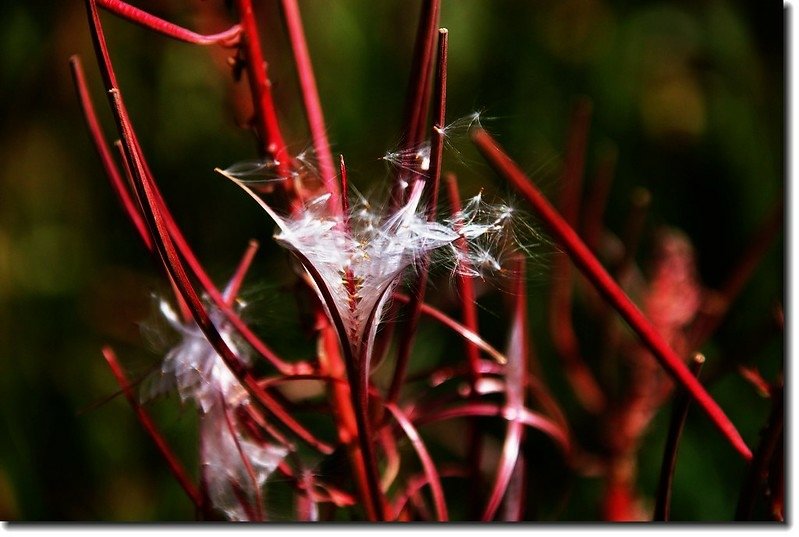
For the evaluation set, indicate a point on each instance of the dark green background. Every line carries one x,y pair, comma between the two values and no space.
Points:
690,92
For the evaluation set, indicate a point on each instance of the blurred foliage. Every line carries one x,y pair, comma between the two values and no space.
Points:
691,94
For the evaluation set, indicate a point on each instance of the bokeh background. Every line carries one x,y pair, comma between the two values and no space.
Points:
689,92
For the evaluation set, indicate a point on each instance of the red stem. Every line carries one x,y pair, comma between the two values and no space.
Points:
417,99
465,286
267,125
495,410
174,464
418,92
678,414
436,153
310,99
257,514
469,312
594,212
515,375
470,335
104,151
439,122
416,483
232,289
228,38
771,438
717,305
561,323
424,457
598,276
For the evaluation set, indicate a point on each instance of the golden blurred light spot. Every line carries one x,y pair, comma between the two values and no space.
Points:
575,30
673,107
9,508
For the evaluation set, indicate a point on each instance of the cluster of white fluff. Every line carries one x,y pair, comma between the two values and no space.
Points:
223,450
231,463
356,259
193,367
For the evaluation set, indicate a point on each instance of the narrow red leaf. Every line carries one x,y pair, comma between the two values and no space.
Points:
147,423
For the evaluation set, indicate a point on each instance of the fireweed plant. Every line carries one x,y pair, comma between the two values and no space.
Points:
364,261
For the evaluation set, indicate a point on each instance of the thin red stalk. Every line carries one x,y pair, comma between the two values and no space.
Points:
417,99
145,190
208,286
330,493
258,512
494,410
345,201
515,375
770,439
469,312
104,151
640,200
561,323
185,314
241,497
418,85
465,286
598,276
391,452
678,414
468,334
408,334
268,382
439,122
232,289
717,305
310,99
409,330
331,362
416,483
305,501
514,505
427,462
593,215
171,459
229,37
267,125
264,424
